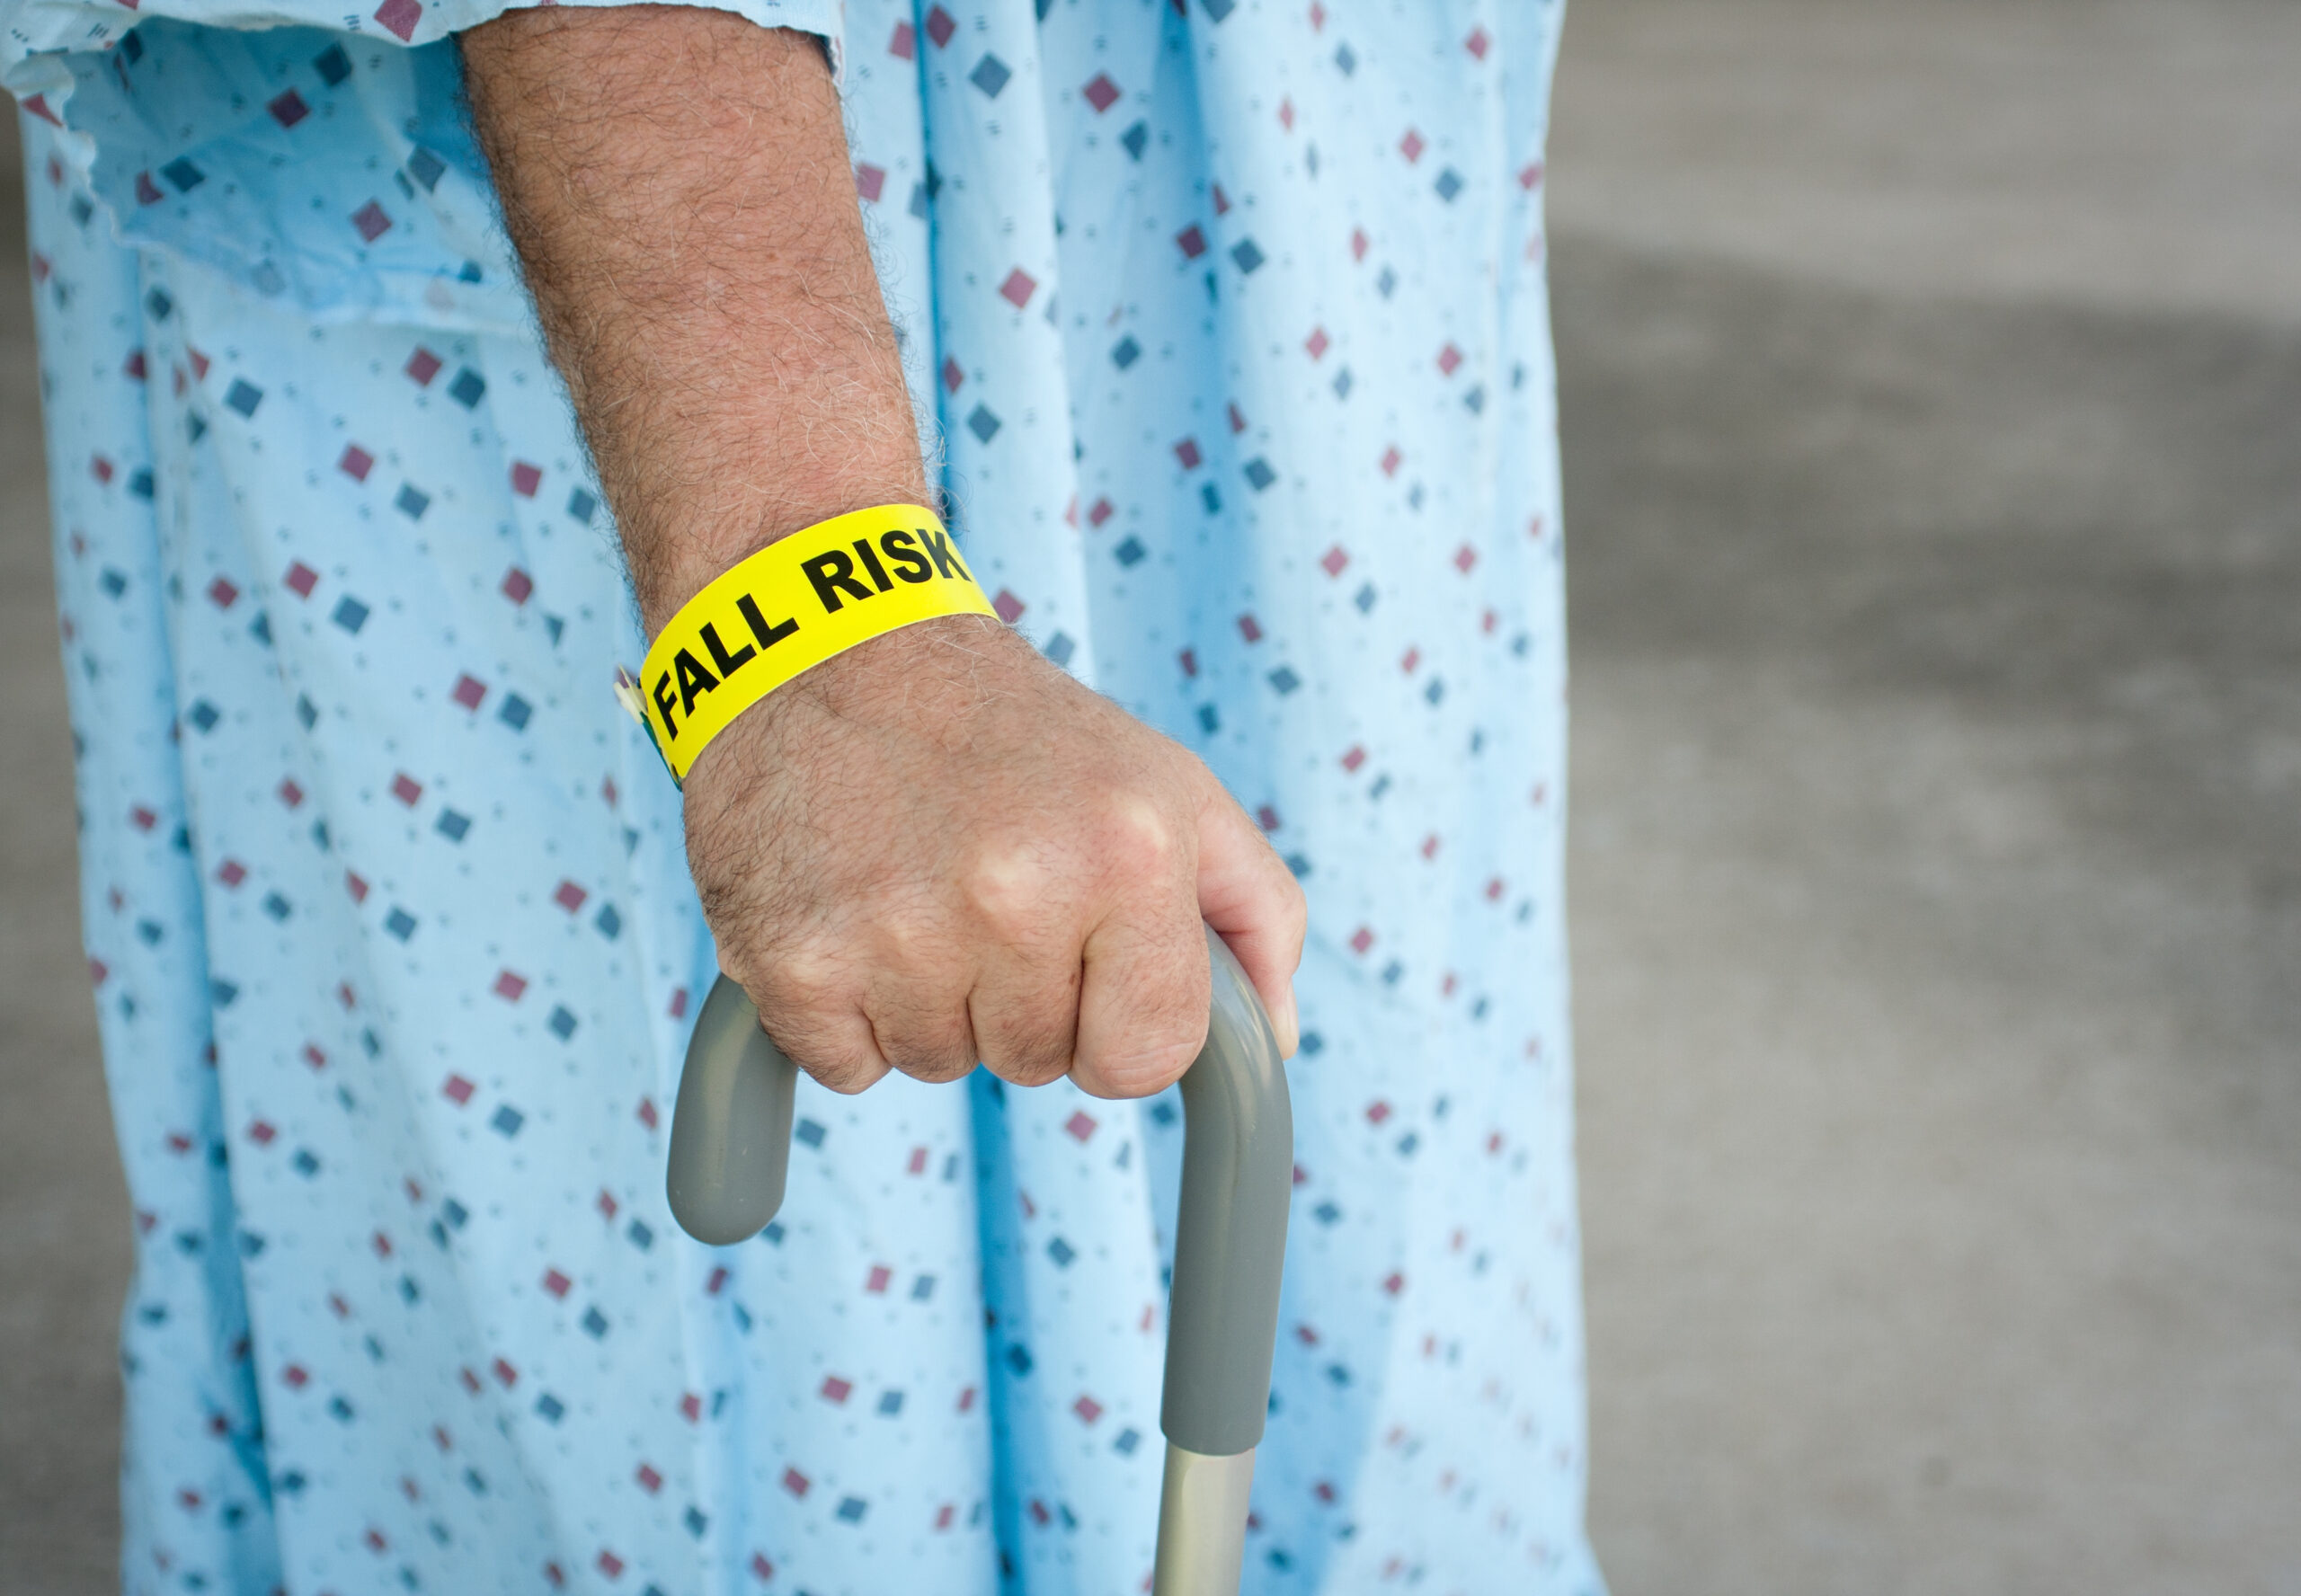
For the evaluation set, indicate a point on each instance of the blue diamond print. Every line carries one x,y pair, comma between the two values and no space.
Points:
609,923
1284,680
1259,476
890,1404
1019,1359
453,825
413,501
580,504
1060,648
1209,720
1210,498
595,1324
1346,58
454,1213
1342,383
515,712
113,582
508,1121
1061,1252
244,396
696,1522
1449,184
306,711
1126,352
1128,1440
400,924
184,175
550,1407
1364,598
158,303
307,1161
989,75
983,423
1326,1213
810,1131
276,906
561,1024
467,387
1219,9
1135,138
203,715
1130,550
351,615
922,1287
1247,255
641,1236
425,167
851,1511
332,65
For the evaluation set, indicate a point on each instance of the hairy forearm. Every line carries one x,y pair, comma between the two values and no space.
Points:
677,183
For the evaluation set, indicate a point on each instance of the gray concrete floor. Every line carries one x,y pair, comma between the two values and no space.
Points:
1932,387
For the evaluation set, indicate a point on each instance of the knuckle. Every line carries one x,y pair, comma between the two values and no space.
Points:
1140,1073
1136,840
1007,887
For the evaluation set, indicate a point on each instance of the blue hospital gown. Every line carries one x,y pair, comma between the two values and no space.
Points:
1227,322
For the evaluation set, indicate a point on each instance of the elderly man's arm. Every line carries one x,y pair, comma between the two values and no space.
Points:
936,847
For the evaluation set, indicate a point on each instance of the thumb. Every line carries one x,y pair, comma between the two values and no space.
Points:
1246,893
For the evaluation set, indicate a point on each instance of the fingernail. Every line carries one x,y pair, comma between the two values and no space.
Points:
1289,1026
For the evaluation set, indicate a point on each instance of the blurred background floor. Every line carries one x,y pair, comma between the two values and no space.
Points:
1932,389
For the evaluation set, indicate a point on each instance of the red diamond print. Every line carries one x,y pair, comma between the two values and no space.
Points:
313,1057
944,1514
967,1399
422,366
370,219
795,1482
1101,513
1478,43
1222,200
1187,451
260,1133
220,593
1249,628
691,1408
288,109
870,179
569,897
761,1568
608,1206
1357,244
611,1564
1391,458
458,1090
510,985
1318,16
469,691
917,1163
1493,890
1529,177
1237,421
1017,289
400,16
356,463
301,578
1411,146
1377,1112
1412,658
1267,817
517,585
232,873
1394,1284
1360,940
1352,760
941,26
290,792
1080,1125
557,1283
835,1389
1450,360
878,1278
1333,561
100,469
199,366
354,884
1188,661
1191,242
1287,114
295,1376
1088,1409
1430,845
902,47
1009,607
1101,93
525,478
1464,558
1317,342
147,193
951,374
406,789
649,1480
678,1003
504,1373
647,1116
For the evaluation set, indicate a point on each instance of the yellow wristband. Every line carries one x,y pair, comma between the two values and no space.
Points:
793,605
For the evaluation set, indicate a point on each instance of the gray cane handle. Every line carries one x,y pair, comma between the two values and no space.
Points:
731,1148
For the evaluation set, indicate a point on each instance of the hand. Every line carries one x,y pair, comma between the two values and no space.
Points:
938,848
935,848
